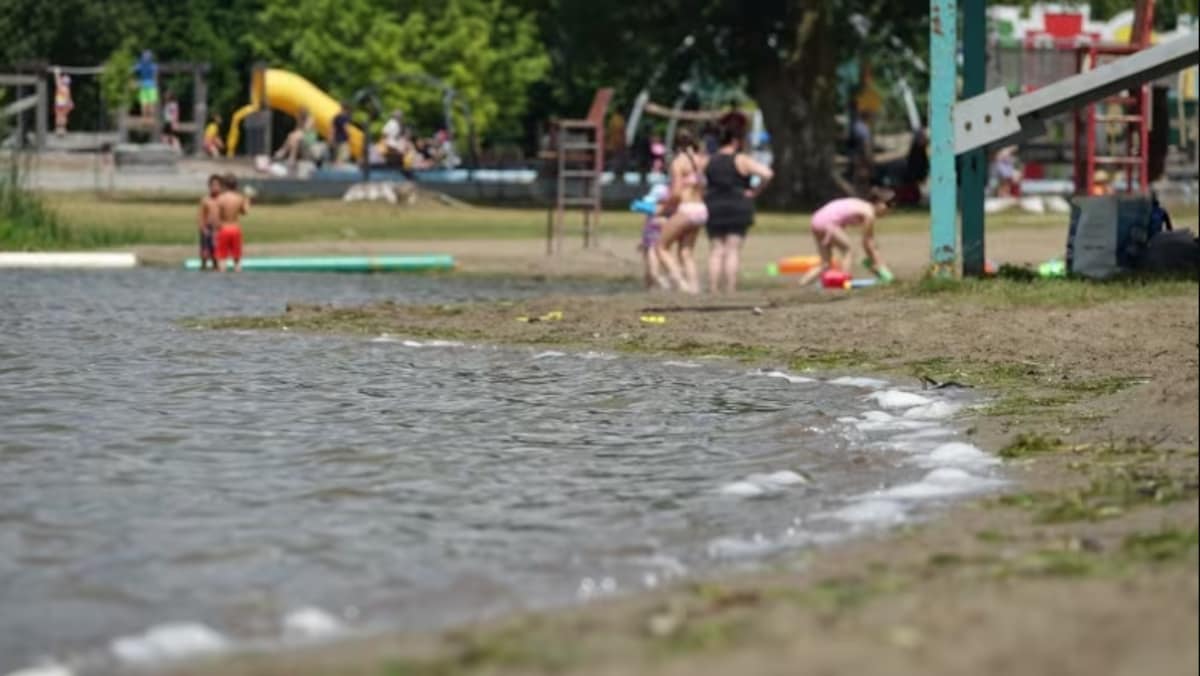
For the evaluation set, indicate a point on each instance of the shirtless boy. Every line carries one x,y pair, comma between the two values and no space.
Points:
231,206
208,222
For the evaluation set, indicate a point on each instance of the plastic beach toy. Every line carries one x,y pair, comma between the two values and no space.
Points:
884,275
648,204
835,279
796,265
1052,268
643,206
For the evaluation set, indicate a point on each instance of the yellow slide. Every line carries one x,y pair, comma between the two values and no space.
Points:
288,92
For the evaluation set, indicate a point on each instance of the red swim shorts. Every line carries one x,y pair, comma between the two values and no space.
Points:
229,242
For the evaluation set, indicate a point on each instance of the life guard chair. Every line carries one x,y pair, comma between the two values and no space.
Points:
579,151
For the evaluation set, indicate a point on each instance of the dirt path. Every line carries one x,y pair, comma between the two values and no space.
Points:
1088,567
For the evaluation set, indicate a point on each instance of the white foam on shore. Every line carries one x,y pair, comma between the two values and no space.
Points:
683,364
757,485
865,383
172,641
738,548
784,376
958,454
882,421
927,434
783,477
428,343
939,483
742,489
384,338
48,669
936,410
549,354
883,512
309,623
899,399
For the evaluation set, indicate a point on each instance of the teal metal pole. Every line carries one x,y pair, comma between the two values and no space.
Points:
943,188
973,165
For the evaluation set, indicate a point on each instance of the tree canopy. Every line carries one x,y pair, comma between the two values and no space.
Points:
487,50
520,62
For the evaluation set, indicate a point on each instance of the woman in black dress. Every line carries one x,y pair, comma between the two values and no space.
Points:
730,200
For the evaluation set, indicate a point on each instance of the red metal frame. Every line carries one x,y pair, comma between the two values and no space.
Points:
1135,117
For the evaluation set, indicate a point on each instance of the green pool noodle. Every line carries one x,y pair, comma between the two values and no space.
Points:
415,263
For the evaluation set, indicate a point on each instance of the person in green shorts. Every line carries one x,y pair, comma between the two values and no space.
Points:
147,75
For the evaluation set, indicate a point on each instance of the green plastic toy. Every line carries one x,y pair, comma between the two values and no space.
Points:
1053,268
885,276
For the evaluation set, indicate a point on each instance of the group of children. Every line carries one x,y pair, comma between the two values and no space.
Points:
220,223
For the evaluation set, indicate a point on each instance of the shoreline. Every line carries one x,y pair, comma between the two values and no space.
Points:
1094,547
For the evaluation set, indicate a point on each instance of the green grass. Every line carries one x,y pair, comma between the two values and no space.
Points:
1116,491
170,219
25,221
1050,292
28,220
1026,445
1165,545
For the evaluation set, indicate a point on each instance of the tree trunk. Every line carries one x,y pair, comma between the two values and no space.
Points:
798,97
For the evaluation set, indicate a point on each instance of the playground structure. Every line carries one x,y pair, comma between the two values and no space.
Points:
963,131
36,77
282,90
578,150
198,73
35,101
1056,41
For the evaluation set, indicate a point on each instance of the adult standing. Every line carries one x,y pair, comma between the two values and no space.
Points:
688,213
147,75
730,199
395,145
341,135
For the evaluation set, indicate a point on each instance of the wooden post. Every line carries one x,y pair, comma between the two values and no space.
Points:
42,110
973,164
943,54
20,144
199,108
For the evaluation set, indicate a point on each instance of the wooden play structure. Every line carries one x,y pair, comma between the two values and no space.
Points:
34,89
194,127
30,96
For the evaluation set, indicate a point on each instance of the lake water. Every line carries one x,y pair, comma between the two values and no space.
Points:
166,491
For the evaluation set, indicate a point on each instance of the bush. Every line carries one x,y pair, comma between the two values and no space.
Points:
25,220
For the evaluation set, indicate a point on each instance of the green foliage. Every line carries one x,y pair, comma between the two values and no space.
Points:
25,221
116,79
487,50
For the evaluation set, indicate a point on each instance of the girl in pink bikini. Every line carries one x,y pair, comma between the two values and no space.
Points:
687,214
829,225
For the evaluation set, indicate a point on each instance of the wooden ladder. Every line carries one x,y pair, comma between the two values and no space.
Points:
579,147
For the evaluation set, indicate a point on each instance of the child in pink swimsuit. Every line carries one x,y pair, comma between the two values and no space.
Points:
829,225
